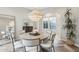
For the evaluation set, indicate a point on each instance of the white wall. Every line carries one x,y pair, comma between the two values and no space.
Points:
59,12
19,13
58,19
75,15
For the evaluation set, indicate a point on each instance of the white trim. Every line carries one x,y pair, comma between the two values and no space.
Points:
77,45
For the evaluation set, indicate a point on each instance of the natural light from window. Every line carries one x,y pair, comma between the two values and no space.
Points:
49,23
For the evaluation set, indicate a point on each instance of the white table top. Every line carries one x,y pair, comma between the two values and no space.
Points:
28,36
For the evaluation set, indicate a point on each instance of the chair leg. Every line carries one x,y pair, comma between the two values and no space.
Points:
13,46
37,48
13,49
53,48
24,49
23,46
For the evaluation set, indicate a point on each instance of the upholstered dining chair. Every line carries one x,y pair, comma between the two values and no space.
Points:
32,45
17,45
49,44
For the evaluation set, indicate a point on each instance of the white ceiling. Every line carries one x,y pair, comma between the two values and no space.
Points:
38,8
25,10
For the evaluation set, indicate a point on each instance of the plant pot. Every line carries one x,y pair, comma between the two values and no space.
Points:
69,42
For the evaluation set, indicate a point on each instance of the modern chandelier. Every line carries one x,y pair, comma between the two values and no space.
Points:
36,15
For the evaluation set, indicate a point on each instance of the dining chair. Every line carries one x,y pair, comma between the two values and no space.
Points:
32,45
17,45
49,44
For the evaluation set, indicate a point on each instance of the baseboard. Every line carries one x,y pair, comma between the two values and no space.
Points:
77,45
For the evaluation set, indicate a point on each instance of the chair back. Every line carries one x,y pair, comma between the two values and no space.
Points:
15,44
12,42
52,37
31,42
45,40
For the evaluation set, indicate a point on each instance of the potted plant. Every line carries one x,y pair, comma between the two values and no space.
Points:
69,27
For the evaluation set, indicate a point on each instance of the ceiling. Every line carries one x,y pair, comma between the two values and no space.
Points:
38,8
26,10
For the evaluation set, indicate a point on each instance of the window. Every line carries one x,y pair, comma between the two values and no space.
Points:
52,23
45,23
49,23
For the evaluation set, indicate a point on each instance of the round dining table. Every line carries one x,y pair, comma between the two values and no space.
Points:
28,36
41,36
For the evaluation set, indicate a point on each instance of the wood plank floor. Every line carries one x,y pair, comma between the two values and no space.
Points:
8,48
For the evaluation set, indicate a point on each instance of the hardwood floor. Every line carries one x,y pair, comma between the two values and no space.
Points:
65,48
72,48
8,48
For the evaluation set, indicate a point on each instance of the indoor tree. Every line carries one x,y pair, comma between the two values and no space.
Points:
69,25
